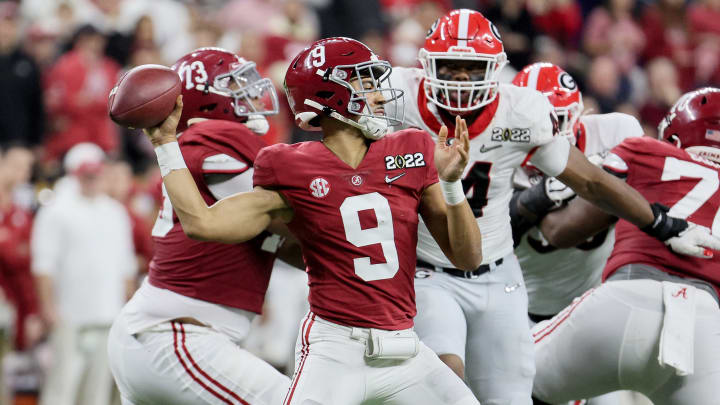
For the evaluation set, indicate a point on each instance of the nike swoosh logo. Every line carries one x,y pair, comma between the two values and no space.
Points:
483,149
389,179
511,288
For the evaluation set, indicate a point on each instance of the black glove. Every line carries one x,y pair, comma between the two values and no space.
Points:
664,227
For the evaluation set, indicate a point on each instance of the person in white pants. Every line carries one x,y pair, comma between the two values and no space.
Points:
653,326
177,341
84,263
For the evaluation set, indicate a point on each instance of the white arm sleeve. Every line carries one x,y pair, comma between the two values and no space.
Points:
224,164
46,242
552,157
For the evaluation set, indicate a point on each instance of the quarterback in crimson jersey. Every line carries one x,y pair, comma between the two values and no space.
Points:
653,325
176,340
352,200
477,323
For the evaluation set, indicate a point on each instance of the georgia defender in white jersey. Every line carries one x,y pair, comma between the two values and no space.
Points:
555,275
480,318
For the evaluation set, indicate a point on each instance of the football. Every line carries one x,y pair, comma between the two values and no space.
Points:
144,96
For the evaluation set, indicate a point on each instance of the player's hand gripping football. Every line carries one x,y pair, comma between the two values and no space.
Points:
451,160
165,132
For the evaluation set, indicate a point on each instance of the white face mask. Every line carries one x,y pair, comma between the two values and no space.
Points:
258,124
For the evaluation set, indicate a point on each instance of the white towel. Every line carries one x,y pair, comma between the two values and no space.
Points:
678,332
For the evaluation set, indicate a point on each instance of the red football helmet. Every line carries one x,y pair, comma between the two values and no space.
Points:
560,88
217,84
462,35
319,81
693,123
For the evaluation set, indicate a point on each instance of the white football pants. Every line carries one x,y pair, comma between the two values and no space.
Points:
484,322
608,340
183,364
331,369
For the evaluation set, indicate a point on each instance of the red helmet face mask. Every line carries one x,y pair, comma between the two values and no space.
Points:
343,79
560,89
462,39
693,123
217,84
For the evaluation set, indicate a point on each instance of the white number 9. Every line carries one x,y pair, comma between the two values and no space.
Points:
382,234
318,56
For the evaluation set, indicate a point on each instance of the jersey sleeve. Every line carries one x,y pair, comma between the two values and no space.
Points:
552,157
619,159
532,107
264,175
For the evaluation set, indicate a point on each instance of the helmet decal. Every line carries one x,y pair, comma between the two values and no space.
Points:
432,29
567,81
495,31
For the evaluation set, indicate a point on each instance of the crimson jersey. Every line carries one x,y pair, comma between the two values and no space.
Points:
16,280
358,227
688,184
205,270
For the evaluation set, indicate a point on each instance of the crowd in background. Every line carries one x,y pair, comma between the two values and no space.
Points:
60,58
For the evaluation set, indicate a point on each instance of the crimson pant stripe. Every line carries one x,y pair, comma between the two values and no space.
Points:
204,374
305,333
190,373
558,320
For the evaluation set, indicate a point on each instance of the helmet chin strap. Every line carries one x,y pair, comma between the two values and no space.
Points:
371,127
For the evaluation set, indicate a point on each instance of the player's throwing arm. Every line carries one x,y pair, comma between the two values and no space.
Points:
235,219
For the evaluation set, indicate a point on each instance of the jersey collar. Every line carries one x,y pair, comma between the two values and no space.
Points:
432,118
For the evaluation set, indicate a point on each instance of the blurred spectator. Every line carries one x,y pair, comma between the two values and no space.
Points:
607,85
77,88
664,91
516,27
18,289
560,19
296,22
120,186
665,26
15,225
83,259
21,109
611,30
351,18
41,44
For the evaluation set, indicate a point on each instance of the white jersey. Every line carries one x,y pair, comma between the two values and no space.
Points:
514,129
555,276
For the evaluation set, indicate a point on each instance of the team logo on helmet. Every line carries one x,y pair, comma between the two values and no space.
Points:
495,32
319,187
567,81
432,28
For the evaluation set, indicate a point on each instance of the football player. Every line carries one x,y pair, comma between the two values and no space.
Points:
176,341
480,318
653,326
554,276
352,200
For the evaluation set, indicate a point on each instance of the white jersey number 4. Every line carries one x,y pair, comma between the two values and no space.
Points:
707,186
383,234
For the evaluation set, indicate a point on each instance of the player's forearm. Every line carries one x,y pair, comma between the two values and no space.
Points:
605,191
574,224
465,239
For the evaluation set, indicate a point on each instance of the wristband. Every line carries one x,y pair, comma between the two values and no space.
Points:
453,192
663,226
169,158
